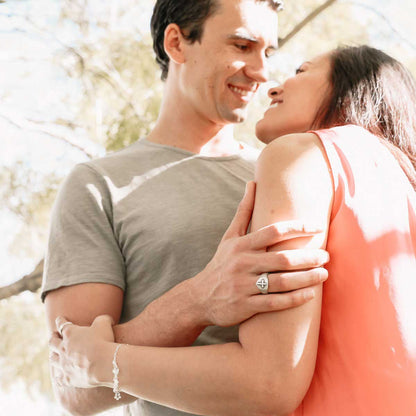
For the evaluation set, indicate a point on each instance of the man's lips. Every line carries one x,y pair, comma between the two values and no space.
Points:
243,91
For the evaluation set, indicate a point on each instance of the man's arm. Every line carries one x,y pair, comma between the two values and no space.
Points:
224,293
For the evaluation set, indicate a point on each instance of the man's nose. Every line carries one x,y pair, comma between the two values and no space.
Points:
257,68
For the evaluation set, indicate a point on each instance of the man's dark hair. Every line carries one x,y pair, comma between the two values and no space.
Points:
190,16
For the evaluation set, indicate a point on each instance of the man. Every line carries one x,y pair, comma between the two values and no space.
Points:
135,234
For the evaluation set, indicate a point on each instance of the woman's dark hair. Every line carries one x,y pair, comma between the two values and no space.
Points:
190,16
372,90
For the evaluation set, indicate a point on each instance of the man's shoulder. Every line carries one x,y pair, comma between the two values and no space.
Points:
129,160
119,156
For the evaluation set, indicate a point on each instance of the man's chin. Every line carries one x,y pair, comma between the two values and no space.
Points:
237,116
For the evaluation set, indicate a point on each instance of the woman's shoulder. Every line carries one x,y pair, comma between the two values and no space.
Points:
293,146
344,132
293,139
297,145
297,161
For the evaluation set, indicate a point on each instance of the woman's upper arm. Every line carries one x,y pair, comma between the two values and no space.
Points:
293,182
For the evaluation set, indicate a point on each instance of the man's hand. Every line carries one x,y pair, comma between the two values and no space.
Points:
226,291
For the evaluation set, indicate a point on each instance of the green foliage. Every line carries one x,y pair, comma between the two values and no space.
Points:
110,61
117,71
24,346
134,61
25,191
28,194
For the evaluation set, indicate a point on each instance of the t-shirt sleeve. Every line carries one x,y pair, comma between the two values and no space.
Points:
82,246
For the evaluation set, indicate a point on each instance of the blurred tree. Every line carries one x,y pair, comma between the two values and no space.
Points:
116,68
104,50
23,352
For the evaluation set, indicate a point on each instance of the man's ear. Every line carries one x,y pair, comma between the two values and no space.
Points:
174,42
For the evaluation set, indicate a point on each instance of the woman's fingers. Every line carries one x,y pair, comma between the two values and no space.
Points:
103,320
59,321
103,327
62,323
55,342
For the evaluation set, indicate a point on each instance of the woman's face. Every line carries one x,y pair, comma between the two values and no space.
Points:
295,104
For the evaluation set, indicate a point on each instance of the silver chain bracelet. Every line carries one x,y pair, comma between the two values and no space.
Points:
116,370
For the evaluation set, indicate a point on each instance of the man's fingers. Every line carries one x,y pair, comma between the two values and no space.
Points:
281,301
301,259
280,231
242,217
290,281
285,260
284,282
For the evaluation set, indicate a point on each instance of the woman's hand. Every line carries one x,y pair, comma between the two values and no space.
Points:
82,357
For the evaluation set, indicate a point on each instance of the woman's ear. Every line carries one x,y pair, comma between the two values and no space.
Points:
174,42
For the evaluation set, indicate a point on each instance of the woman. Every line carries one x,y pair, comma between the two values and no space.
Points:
354,174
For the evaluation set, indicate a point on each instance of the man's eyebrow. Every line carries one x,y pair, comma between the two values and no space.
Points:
243,37
249,38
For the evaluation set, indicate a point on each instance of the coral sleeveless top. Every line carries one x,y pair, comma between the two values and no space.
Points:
366,363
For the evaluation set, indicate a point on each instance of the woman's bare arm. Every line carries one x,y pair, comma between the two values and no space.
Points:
293,181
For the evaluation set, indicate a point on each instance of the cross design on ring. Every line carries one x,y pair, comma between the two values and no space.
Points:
263,283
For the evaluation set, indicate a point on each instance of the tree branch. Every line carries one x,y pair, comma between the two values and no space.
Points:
115,83
305,21
384,18
31,282
27,125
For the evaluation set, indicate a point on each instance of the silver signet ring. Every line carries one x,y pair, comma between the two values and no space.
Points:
263,283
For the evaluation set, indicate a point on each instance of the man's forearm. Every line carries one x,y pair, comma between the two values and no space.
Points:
173,320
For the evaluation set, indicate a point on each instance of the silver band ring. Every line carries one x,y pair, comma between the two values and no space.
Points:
263,283
61,327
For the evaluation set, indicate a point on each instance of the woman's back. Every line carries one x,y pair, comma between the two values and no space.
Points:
366,362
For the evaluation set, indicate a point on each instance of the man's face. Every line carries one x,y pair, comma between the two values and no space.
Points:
223,71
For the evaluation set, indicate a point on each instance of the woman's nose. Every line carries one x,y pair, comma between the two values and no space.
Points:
275,91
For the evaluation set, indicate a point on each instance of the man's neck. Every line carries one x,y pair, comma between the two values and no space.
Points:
222,146
207,140
183,126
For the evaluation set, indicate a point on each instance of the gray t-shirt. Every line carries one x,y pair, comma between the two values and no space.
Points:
144,219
